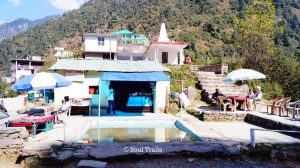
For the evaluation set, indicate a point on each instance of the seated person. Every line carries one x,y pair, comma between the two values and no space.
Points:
256,98
250,94
64,108
65,105
217,93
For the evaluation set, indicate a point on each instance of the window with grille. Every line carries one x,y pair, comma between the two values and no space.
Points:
100,41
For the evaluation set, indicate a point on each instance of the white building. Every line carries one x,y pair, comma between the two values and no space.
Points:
60,53
100,46
131,80
23,67
165,51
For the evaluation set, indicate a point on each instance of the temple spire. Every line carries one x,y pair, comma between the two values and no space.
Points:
163,36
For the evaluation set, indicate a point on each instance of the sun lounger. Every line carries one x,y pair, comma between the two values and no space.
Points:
37,123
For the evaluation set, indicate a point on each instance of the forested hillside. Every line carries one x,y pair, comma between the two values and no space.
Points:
207,24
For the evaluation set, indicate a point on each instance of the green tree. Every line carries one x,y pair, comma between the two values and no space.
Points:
257,29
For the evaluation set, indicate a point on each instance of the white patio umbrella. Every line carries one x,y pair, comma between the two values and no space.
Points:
243,74
41,81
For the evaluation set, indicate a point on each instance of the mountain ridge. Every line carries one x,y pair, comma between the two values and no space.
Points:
21,25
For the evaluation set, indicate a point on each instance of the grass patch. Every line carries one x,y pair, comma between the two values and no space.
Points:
196,113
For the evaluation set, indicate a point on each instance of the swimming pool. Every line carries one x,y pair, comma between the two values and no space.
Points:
136,131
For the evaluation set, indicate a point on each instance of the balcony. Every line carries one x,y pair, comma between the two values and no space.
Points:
34,67
132,48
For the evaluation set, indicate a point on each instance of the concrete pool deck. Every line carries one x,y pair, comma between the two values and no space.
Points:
235,132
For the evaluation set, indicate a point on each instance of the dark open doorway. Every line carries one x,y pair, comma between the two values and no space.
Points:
133,96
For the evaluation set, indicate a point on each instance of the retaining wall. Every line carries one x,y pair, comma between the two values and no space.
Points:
13,137
269,124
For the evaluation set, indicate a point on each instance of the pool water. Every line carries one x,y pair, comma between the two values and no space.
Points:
164,134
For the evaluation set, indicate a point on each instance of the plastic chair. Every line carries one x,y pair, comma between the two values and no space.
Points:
294,106
271,103
224,104
278,105
284,106
257,103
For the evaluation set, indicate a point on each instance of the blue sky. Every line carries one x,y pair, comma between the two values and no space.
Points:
35,9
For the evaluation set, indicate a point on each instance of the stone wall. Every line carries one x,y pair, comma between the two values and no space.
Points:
224,116
269,124
13,137
218,69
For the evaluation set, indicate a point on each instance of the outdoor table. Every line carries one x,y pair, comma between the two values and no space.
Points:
238,98
81,104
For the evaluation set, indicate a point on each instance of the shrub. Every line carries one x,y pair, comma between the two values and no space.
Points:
174,108
182,73
6,91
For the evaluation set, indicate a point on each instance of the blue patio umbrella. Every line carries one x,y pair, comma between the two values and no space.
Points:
41,81
243,74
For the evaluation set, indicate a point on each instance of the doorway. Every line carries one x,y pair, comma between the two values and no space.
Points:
133,96
164,57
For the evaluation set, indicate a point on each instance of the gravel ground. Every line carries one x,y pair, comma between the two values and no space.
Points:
163,162
187,162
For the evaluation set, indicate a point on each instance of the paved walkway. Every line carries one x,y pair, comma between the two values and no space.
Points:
234,131
263,114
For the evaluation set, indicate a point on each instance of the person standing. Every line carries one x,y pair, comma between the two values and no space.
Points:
111,103
188,60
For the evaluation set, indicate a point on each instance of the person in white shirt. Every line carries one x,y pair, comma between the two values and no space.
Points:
62,112
111,103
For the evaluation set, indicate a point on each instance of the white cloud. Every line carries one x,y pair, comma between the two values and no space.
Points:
4,21
15,2
67,4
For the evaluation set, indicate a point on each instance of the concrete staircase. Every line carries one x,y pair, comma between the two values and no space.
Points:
210,81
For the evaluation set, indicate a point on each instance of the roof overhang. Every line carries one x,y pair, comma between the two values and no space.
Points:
168,45
140,77
100,35
109,65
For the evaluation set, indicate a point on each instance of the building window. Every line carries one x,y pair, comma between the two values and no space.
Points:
93,90
100,41
164,57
